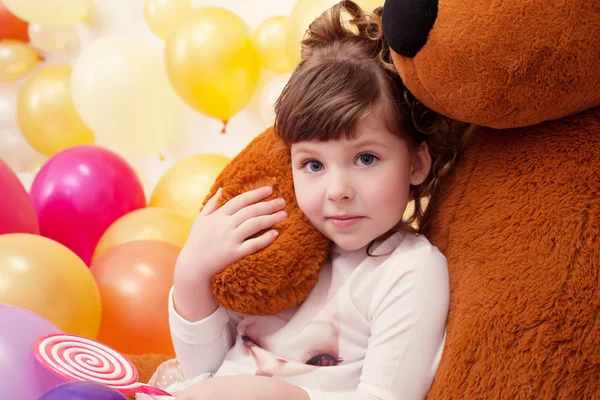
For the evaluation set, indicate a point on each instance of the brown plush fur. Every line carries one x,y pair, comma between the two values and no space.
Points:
146,364
282,275
520,218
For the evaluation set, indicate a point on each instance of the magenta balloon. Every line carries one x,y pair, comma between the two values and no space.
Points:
17,214
21,375
80,192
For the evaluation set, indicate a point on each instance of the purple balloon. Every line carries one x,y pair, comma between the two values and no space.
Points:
21,375
82,391
80,192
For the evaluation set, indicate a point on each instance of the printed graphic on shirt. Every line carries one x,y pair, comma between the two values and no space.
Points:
314,346
296,342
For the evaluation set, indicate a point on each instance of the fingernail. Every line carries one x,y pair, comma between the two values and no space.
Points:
268,189
281,202
282,214
275,233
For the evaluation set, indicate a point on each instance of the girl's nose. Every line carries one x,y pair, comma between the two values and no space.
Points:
340,188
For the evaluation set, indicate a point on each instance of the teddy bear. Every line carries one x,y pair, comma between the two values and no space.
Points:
518,218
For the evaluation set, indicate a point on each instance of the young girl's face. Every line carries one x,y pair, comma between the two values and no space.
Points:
355,190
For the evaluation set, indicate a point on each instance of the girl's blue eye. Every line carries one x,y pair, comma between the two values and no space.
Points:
314,165
367,159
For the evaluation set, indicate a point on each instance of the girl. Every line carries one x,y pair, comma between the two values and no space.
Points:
374,325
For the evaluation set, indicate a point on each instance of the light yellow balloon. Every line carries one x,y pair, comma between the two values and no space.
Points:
43,276
212,62
49,12
150,223
53,38
269,96
270,42
304,13
162,16
17,59
121,91
184,187
46,114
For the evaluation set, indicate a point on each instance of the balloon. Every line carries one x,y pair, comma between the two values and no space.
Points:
212,62
53,38
121,91
269,40
305,12
186,184
134,280
12,27
80,192
82,391
269,96
46,113
17,214
49,12
45,277
162,16
145,224
16,60
21,375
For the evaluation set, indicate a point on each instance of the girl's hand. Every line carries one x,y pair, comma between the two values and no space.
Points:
222,236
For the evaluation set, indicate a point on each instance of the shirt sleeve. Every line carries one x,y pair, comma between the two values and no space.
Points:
408,322
200,346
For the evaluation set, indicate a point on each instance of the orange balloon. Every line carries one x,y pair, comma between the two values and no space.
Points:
134,280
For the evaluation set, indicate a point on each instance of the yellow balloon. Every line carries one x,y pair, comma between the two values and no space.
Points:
305,12
53,38
49,12
212,62
150,223
46,114
121,91
162,16
184,187
47,278
270,42
17,59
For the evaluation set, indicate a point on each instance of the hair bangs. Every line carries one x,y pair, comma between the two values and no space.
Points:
326,100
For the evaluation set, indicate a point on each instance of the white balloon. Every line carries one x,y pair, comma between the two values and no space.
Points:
17,153
121,91
54,38
8,110
269,96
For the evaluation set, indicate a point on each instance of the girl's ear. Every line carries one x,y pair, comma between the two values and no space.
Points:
420,164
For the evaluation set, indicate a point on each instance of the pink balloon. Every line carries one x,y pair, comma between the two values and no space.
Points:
80,192
17,214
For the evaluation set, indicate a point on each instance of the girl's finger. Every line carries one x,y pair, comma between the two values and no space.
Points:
212,205
254,225
245,199
253,245
256,210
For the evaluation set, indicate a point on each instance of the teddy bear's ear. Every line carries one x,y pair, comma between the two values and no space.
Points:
498,64
282,275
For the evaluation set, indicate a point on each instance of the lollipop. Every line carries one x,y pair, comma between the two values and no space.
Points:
77,358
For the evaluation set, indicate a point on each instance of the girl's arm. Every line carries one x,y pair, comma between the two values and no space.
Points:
200,346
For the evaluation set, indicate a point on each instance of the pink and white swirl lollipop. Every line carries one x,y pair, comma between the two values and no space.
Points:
78,358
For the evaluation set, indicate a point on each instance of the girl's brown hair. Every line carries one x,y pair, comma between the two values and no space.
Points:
345,74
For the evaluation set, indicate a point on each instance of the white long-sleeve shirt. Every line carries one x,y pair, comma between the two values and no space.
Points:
372,328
